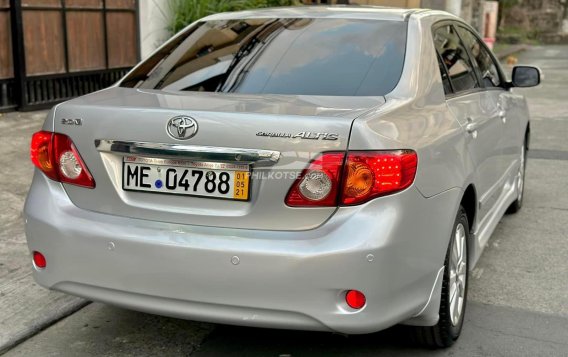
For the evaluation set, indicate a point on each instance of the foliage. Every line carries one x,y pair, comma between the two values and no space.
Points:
516,35
187,11
508,3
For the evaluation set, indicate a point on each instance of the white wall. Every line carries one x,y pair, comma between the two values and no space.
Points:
154,19
454,7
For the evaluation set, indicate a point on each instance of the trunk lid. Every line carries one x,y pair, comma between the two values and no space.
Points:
225,121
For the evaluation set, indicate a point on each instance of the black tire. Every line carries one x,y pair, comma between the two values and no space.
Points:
444,333
518,204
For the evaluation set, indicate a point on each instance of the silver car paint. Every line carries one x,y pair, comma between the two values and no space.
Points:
294,264
284,278
224,121
418,116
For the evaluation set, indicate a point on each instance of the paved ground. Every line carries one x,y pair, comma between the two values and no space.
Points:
518,296
24,307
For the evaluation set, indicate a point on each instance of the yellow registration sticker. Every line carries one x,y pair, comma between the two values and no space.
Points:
241,185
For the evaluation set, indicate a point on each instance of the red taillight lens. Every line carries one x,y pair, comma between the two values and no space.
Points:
57,157
41,153
355,299
364,175
370,174
71,167
319,183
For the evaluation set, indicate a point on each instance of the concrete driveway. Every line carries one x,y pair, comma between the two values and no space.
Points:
518,292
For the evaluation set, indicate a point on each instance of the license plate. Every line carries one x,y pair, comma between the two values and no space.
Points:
183,177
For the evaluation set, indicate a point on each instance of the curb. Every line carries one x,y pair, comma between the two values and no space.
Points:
49,319
511,50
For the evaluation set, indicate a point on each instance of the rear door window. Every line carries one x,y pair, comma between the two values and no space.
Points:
455,58
303,56
445,76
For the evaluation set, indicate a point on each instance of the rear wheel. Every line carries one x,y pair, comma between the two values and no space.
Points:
454,290
518,204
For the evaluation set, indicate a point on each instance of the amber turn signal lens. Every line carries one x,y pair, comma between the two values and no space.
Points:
43,158
359,180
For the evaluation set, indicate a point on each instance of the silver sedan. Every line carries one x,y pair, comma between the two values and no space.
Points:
334,169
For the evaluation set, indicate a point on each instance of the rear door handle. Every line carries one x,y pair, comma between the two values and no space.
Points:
471,126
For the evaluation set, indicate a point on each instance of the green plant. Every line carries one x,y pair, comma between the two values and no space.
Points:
516,34
187,11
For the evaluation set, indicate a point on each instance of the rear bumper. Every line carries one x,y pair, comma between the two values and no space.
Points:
391,249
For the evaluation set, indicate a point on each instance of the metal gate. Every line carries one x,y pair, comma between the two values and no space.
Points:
54,50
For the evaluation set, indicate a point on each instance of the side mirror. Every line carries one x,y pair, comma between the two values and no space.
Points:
526,76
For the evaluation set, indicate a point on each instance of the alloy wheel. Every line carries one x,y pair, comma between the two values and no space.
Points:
458,266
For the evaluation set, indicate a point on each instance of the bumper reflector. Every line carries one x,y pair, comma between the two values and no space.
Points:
355,299
39,260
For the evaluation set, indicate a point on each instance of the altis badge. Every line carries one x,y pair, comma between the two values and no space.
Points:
308,135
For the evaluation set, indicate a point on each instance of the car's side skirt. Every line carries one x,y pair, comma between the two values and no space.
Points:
486,227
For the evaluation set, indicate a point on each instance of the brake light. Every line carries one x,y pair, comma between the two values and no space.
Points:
370,174
365,175
57,157
41,153
318,185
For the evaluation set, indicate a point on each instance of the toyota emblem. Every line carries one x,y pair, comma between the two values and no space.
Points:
182,127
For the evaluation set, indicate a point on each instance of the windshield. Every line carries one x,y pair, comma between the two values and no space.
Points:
335,57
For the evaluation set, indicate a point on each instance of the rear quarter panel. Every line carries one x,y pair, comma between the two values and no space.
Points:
417,117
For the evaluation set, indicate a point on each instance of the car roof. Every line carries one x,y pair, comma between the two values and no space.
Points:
337,11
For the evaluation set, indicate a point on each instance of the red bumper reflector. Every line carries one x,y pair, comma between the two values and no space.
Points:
39,260
355,299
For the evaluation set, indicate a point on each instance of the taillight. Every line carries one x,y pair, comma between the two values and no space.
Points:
41,153
57,157
329,181
319,183
370,174
71,167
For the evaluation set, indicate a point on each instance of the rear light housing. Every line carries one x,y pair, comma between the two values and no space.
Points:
371,174
57,157
318,185
334,178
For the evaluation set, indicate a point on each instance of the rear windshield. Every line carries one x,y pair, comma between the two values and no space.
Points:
336,57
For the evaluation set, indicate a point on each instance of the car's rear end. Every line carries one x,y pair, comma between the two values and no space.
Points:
215,182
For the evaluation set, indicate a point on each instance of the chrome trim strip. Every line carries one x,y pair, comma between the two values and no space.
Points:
210,153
